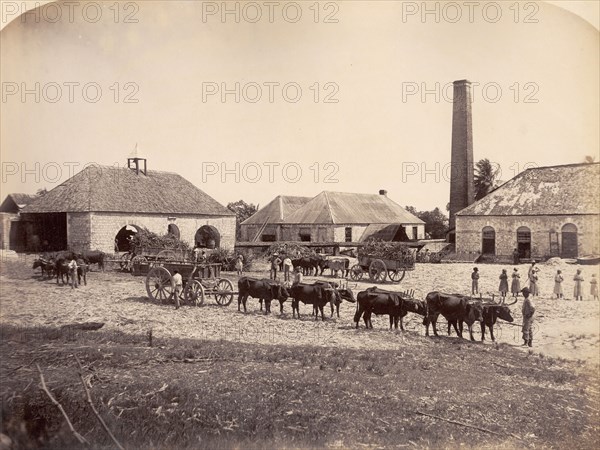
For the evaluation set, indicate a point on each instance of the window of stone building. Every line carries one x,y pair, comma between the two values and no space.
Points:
569,241
305,235
348,234
524,242
174,230
488,241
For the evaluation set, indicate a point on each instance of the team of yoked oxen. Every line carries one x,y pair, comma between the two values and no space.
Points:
457,309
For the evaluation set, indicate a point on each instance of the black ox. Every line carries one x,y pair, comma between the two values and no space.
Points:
490,313
380,302
319,294
267,290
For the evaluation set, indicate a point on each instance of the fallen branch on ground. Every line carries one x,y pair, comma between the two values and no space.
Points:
79,437
475,427
89,401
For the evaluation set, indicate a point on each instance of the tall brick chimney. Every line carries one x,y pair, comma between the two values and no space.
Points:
461,180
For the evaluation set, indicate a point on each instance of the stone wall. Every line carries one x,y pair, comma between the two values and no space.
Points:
105,226
469,233
78,231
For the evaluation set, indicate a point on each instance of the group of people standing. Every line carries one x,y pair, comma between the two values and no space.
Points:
288,268
533,288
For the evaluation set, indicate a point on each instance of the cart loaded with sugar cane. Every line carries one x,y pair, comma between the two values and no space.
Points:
199,281
380,260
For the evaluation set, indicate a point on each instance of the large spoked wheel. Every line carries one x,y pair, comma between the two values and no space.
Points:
194,293
224,292
125,261
135,264
356,273
166,255
396,275
158,284
377,271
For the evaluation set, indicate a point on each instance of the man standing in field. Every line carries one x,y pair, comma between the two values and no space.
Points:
275,262
528,310
73,272
475,281
177,284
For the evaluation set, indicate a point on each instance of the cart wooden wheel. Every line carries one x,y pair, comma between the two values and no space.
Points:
396,275
125,260
158,284
194,293
356,273
224,292
167,255
377,271
136,261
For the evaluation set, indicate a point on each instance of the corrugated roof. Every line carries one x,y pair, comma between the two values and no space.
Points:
276,210
119,189
349,208
555,190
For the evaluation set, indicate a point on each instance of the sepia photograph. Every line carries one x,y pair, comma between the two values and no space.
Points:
306,224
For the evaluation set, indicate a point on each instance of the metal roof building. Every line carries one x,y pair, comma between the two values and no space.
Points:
333,217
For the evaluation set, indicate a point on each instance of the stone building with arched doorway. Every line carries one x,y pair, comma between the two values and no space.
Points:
101,207
542,212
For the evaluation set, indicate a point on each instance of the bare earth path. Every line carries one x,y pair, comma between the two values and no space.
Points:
564,328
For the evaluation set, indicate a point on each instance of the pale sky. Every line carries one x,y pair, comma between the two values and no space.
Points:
536,101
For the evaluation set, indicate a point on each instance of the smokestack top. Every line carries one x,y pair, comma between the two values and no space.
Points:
383,192
459,82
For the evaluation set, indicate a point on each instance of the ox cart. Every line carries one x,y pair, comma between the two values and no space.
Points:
143,255
199,281
380,269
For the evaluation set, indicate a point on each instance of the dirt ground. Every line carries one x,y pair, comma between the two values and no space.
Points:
563,328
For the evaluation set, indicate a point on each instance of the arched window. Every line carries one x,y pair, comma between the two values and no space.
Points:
124,237
174,230
568,234
208,236
524,242
488,241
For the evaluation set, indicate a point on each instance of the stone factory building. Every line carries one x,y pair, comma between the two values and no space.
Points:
101,206
333,217
542,212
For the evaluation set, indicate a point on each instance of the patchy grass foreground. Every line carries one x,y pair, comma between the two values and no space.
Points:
213,394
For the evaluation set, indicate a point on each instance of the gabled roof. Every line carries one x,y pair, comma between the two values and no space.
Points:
348,208
553,190
119,189
16,202
276,210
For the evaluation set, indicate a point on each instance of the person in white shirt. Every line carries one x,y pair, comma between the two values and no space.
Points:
177,283
73,273
287,268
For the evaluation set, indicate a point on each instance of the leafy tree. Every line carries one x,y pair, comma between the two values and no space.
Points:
590,159
242,211
436,222
485,179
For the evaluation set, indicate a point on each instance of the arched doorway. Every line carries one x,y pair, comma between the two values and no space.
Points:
569,241
123,238
173,229
524,242
207,236
488,241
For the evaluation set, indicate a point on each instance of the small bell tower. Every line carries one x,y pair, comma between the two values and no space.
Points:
134,160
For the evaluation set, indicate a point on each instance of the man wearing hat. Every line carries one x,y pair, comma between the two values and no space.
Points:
528,309
275,262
